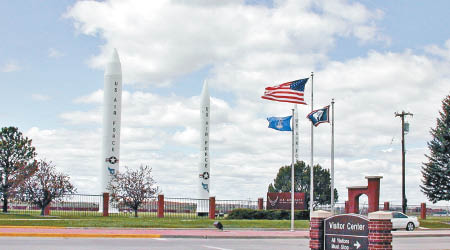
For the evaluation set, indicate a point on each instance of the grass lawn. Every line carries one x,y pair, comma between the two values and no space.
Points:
140,222
12,219
435,222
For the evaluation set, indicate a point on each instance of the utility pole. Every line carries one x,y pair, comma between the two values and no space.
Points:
332,157
402,115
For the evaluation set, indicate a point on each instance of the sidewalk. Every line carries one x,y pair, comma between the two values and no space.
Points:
179,233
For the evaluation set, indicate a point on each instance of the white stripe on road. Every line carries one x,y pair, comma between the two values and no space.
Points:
219,248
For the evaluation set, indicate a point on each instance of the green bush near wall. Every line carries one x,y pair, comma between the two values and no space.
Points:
254,214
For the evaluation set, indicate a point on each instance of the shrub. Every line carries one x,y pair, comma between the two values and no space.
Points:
254,214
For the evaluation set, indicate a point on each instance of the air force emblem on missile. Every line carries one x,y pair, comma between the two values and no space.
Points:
112,160
205,175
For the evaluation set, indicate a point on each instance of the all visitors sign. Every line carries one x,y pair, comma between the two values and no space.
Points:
346,232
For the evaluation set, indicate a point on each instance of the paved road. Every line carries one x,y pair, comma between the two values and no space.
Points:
421,243
6,231
32,243
146,233
14,243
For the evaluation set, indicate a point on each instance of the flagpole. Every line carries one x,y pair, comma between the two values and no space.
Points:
292,174
311,183
296,139
332,156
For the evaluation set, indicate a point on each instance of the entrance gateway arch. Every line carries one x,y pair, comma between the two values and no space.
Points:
372,190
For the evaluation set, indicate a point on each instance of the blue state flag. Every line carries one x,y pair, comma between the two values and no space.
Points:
280,123
319,116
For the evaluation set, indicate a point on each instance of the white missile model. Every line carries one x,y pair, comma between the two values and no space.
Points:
203,168
112,102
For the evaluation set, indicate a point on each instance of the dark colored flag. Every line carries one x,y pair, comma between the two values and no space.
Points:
319,116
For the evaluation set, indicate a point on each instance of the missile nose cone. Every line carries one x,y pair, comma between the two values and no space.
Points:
115,56
113,66
205,94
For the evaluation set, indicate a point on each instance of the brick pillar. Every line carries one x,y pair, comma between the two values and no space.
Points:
423,211
212,207
105,204
47,210
161,206
316,229
380,227
346,207
260,203
386,206
373,192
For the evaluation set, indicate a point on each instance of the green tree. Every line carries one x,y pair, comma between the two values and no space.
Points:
16,162
322,183
45,186
436,172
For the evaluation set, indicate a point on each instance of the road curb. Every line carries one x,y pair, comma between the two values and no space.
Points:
43,227
70,235
233,237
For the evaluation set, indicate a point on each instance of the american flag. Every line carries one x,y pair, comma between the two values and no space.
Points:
292,92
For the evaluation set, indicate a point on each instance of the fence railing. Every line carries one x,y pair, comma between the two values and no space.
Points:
224,207
413,209
148,208
183,207
80,205
73,205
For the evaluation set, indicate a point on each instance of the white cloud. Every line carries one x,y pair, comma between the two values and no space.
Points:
40,97
10,67
388,150
438,51
95,97
73,152
54,53
159,41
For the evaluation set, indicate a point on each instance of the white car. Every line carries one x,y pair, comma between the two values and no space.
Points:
402,221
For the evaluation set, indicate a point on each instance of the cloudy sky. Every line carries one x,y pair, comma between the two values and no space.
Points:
374,57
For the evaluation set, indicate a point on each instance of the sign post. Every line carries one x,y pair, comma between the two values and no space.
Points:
346,232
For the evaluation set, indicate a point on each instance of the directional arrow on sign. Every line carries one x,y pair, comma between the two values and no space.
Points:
357,245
